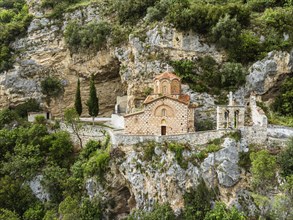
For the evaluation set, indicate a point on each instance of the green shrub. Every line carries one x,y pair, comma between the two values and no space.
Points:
58,6
92,36
7,214
159,11
285,159
90,148
235,135
178,148
244,160
226,32
131,10
197,202
159,212
202,74
260,5
97,164
220,211
149,150
14,19
232,75
283,103
263,169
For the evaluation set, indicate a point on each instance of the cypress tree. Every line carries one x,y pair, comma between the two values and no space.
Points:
77,103
93,101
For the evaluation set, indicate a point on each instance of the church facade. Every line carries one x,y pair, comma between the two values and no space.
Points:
166,112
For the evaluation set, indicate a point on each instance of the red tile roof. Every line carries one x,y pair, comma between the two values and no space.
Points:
167,75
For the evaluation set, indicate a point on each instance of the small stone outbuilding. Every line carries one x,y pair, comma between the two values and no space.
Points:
166,112
230,116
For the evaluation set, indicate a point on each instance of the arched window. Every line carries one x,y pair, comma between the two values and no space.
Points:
164,112
236,116
227,118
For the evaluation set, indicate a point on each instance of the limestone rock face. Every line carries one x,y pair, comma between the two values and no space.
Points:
264,74
223,164
44,52
160,178
148,55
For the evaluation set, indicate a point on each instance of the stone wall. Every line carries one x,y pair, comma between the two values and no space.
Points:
196,138
87,132
255,134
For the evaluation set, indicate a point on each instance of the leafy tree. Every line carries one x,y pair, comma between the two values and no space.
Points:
232,75
77,103
226,32
52,88
220,211
285,159
263,167
72,119
93,101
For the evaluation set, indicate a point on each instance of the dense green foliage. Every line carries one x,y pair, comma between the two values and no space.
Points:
284,101
78,103
29,150
14,19
235,26
197,203
263,169
177,149
203,75
58,6
285,159
93,101
90,37
220,211
159,212
131,10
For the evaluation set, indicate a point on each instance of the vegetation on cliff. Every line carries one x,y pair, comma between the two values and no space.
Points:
14,19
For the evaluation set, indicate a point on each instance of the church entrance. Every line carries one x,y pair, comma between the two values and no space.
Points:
163,130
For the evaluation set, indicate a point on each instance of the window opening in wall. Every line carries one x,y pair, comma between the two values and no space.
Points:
236,118
227,119
164,112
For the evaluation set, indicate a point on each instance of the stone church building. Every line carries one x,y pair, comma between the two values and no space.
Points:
165,112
